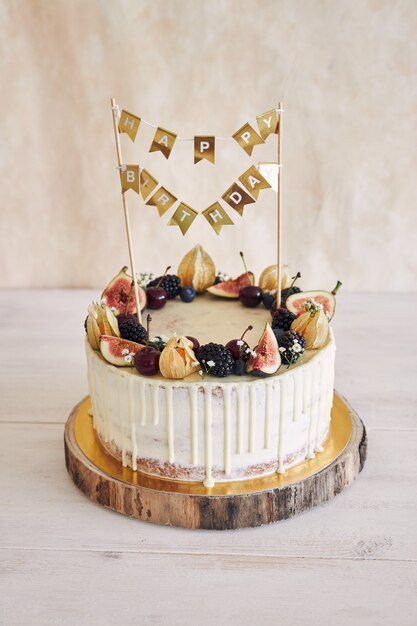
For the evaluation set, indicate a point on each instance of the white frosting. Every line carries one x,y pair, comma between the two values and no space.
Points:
213,429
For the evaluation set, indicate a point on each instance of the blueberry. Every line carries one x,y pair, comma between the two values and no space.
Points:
239,367
267,300
187,294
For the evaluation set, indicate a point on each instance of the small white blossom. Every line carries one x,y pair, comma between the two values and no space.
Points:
248,351
253,353
200,372
195,363
125,351
239,342
211,363
296,347
128,358
282,349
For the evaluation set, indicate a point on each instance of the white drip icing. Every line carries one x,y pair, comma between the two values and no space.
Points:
155,405
170,424
121,421
239,423
132,424
208,452
302,394
252,413
281,427
194,424
142,402
297,402
267,426
227,430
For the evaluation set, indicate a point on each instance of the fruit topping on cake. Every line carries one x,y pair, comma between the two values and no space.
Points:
268,278
239,348
118,351
215,359
265,359
195,342
178,359
187,294
313,324
131,329
147,360
100,321
169,282
119,294
231,288
197,270
295,301
281,321
249,295
291,347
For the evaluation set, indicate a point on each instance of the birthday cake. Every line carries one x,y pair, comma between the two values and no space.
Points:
213,379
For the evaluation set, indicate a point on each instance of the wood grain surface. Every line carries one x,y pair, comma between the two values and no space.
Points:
65,561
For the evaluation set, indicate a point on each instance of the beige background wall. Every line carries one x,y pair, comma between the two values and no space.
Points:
346,71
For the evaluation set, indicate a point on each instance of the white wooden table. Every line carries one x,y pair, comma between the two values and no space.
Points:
65,560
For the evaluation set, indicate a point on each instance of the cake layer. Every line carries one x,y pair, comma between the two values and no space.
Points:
213,429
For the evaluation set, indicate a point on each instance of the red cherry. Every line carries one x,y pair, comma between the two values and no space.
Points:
238,352
147,361
250,296
196,343
156,297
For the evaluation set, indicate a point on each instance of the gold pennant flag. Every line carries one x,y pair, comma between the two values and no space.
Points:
268,123
183,217
247,138
129,177
237,197
217,217
204,148
253,180
147,183
163,141
162,199
129,123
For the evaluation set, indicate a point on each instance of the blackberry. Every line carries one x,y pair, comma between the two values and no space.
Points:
285,293
170,282
291,347
283,318
217,354
133,331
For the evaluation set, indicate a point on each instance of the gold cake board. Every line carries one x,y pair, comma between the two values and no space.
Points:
234,504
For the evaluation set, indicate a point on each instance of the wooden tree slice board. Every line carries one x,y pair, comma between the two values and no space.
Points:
237,504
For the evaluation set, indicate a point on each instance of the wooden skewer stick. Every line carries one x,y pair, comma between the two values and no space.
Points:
126,212
279,209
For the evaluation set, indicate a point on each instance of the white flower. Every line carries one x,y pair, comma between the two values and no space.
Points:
253,353
248,351
125,351
282,349
200,372
240,342
211,363
128,358
195,363
296,347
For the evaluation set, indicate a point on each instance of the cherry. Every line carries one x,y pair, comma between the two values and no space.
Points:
195,342
238,347
250,296
147,359
156,297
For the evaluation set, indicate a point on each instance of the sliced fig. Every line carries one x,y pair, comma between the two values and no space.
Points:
267,359
295,302
119,294
117,351
231,288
